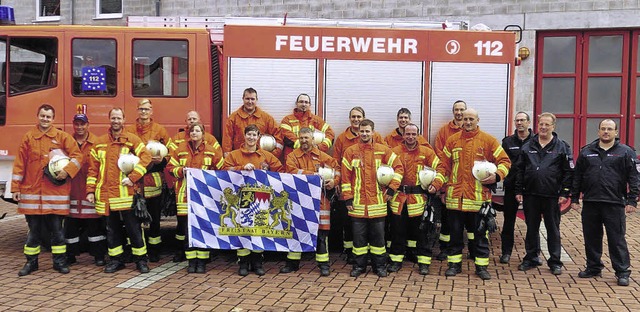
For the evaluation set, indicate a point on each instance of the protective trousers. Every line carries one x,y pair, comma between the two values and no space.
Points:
322,251
190,253
369,233
444,237
510,209
96,235
53,223
547,207
115,239
478,247
402,226
614,219
341,223
154,239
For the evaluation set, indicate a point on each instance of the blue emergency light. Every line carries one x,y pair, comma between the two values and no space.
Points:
6,15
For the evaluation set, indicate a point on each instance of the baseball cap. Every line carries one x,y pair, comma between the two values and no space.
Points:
81,117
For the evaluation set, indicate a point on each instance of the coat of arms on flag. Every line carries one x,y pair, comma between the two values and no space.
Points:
257,209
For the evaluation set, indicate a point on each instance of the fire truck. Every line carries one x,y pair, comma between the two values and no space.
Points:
204,64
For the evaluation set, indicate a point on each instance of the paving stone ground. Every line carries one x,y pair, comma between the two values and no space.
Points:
169,288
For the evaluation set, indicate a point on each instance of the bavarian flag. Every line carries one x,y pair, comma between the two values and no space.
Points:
257,210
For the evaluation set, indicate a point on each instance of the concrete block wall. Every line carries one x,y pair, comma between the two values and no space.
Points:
531,15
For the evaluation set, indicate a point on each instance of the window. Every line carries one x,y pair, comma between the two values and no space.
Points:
32,64
160,68
48,10
108,8
94,67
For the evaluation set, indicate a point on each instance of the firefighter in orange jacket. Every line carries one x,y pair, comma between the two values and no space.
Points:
182,136
340,220
194,153
396,137
44,200
82,215
446,131
112,190
250,157
408,204
302,117
148,130
465,194
306,160
365,199
249,114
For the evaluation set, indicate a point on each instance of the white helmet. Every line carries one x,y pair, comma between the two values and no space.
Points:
326,173
384,174
267,142
426,176
318,136
157,149
57,163
483,169
127,162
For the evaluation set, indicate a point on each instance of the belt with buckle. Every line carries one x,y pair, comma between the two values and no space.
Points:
411,189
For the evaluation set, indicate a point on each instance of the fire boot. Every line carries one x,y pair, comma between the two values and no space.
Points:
243,262
115,264
481,271
30,266
324,268
142,266
192,266
256,263
60,263
201,266
290,266
454,269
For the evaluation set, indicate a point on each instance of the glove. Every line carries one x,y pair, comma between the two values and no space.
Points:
487,219
169,207
140,208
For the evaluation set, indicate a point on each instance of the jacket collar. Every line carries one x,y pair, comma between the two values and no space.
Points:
244,115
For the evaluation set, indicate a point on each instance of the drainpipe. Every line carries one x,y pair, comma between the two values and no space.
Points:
157,7
73,5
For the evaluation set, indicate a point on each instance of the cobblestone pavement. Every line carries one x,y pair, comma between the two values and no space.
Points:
168,287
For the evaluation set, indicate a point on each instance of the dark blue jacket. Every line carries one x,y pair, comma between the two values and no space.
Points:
546,172
511,145
606,176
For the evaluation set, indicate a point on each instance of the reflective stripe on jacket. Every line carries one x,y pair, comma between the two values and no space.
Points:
38,196
152,131
347,139
359,183
186,156
299,162
291,125
104,177
394,139
464,191
233,139
80,207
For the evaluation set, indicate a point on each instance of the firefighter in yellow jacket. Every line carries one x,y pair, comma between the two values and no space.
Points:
148,130
306,160
112,190
44,200
194,153
366,200
408,204
465,194
302,117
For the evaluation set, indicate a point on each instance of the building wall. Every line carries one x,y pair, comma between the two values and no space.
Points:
531,15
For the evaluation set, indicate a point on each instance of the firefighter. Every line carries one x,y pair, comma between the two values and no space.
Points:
396,137
511,145
148,130
249,157
340,220
543,183
112,190
302,117
367,200
249,114
44,200
408,204
452,127
82,215
606,174
307,159
182,136
465,195
194,153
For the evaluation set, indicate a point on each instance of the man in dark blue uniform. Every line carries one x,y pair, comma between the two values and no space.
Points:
607,176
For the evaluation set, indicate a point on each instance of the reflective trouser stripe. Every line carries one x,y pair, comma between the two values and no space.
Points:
322,257
293,255
116,251
139,251
243,252
31,251
396,258
202,254
482,261
155,240
359,251
59,249
347,244
455,258
73,240
378,250
471,235
445,238
424,260
180,237
412,243
190,254
95,239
